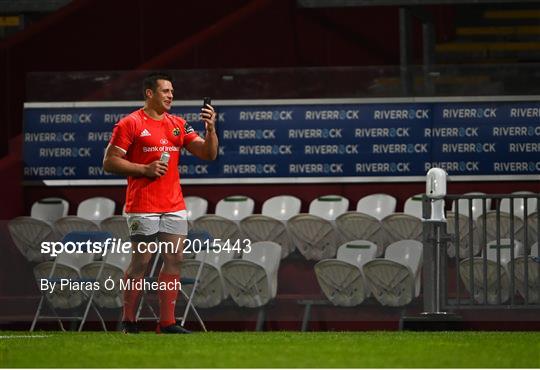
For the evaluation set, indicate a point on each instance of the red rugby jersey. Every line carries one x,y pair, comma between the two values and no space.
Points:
144,139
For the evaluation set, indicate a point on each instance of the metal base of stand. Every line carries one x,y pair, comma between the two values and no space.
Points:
432,321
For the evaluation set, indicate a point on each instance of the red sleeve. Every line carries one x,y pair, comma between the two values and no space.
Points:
122,135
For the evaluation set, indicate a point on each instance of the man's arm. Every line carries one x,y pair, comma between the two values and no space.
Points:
114,162
206,149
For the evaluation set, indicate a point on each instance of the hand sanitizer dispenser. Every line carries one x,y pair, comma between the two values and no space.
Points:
436,190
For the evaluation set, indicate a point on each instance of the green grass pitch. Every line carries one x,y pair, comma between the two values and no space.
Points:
272,349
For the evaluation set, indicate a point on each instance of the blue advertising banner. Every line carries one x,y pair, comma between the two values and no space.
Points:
304,140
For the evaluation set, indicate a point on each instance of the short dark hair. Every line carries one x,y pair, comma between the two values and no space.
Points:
150,81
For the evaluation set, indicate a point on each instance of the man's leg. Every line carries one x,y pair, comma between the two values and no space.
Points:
136,272
169,274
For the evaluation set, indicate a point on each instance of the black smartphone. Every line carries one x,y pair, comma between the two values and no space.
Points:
207,101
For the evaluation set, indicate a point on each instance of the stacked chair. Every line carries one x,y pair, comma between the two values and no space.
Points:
315,234
29,232
496,260
68,267
395,280
341,279
223,225
89,214
271,225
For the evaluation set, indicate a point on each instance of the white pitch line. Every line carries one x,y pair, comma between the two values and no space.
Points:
22,336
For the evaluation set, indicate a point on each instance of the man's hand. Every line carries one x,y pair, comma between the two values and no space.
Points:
155,169
208,115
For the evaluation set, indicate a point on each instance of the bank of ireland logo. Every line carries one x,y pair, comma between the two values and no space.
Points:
176,131
163,141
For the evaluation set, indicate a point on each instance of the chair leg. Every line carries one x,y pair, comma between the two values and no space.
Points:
37,314
57,318
307,316
260,319
190,298
86,309
194,312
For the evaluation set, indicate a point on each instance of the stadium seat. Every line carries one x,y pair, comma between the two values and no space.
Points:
252,280
117,226
400,226
196,207
395,280
314,234
90,213
519,204
218,227
341,279
328,207
281,207
413,206
96,209
68,266
531,289
211,290
235,207
68,224
377,205
223,225
28,233
271,224
532,228
354,225
492,267
49,209
465,233
113,266
504,229
477,205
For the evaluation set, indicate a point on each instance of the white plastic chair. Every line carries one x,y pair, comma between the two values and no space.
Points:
533,275
464,235
401,226
504,226
117,226
493,290
195,207
90,213
252,281
96,209
360,226
67,266
114,267
235,207
519,204
395,279
341,279
28,233
329,207
211,290
49,209
281,207
532,228
271,224
68,224
218,227
413,206
477,205
377,205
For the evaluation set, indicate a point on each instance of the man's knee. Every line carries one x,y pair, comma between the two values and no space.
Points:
173,258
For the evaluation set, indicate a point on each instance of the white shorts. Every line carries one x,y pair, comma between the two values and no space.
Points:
152,223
